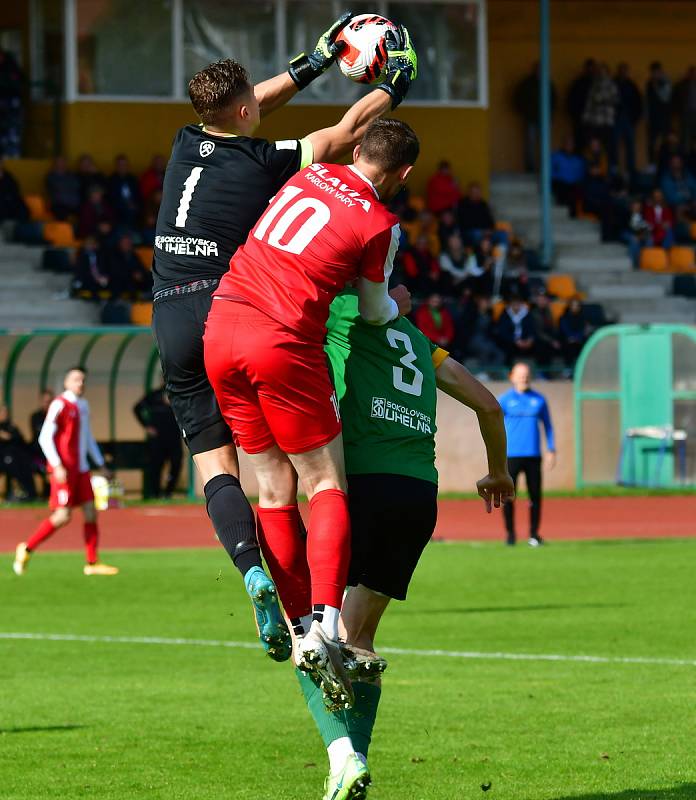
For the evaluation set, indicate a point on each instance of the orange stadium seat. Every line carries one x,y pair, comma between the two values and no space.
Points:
561,286
498,309
59,234
141,313
504,225
681,259
557,309
653,259
38,210
145,255
417,203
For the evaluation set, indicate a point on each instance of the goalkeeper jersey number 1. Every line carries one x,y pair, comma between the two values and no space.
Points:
385,383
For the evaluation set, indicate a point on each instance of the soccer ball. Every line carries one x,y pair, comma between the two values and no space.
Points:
365,55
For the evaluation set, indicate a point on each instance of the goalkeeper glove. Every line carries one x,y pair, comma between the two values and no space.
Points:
305,68
402,65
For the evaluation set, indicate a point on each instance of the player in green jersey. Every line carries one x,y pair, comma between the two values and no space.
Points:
386,381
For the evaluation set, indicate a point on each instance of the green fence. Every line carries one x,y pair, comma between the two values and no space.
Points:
627,378
122,364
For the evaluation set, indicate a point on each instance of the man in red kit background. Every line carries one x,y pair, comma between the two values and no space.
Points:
67,441
327,227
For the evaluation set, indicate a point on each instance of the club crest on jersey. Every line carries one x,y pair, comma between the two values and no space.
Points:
206,148
379,405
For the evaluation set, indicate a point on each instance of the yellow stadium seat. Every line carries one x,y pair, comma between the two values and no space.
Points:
145,255
561,286
653,259
59,234
38,210
681,259
504,225
557,309
141,313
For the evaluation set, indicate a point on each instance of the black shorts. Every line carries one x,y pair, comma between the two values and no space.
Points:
392,519
178,322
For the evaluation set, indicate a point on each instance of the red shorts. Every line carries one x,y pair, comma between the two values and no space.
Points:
75,492
272,387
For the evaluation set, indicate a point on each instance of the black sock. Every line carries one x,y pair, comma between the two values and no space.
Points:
233,520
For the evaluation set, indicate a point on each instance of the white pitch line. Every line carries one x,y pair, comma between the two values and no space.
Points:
399,651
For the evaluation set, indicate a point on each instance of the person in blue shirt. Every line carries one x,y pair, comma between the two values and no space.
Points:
525,410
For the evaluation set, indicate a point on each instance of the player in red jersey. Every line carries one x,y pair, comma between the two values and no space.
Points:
67,441
327,227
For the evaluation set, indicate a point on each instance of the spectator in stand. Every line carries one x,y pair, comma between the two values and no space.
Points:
526,102
629,110
96,217
63,189
91,270
453,264
15,459
127,274
442,190
669,147
436,322
595,189
447,226
474,214
421,269
89,176
577,100
547,345
516,331
11,87
637,234
155,414
36,421
691,158
123,194
480,268
574,331
516,273
423,224
568,171
660,220
678,186
12,205
152,179
599,115
685,107
658,103
482,342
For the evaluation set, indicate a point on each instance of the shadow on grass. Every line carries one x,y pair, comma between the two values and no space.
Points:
684,791
41,729
504,610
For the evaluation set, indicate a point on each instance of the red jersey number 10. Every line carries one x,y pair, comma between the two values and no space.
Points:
273,225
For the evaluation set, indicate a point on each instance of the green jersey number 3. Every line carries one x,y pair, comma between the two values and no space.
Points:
410,382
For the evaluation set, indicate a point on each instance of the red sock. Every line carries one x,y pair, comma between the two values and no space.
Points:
46,529
328,546
285,552
91,536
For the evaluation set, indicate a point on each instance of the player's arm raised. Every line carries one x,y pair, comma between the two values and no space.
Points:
330,144
456,381
303,69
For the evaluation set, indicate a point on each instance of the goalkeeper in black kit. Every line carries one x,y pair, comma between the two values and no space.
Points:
218,182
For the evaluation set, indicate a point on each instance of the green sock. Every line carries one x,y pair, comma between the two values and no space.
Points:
361,718
331,725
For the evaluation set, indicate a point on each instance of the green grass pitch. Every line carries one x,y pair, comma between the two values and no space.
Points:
86,719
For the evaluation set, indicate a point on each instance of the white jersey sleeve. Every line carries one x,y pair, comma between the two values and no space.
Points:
47,436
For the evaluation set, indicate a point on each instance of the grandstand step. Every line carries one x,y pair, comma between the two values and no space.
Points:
593,260
626,292
594,277
649,316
